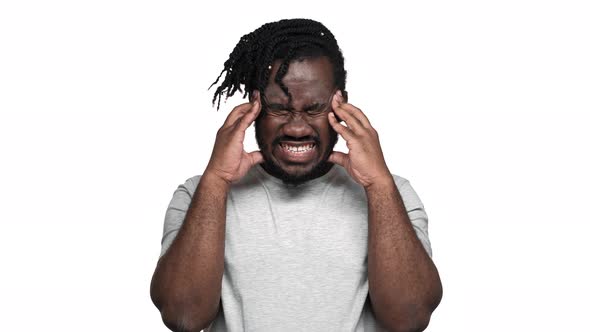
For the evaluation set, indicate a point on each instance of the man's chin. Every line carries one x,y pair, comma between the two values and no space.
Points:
295,170
296,174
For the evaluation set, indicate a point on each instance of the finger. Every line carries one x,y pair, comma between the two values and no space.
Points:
346,116
246,120
254,95
255,157
237,113
357,113
345,132
338,158
349,119
238,129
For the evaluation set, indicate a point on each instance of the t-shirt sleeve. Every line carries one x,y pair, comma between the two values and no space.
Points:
176,211
415,210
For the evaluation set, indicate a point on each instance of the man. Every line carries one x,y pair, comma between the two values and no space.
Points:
294,237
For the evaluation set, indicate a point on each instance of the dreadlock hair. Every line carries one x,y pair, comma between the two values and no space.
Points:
250,62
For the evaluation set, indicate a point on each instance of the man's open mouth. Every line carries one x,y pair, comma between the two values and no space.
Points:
297,152
297,148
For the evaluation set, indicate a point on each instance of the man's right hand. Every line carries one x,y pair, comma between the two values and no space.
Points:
229,161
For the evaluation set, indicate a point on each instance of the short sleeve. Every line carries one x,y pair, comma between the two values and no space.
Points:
176,211
415,210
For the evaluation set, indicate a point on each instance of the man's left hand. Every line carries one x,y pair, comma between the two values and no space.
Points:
364,162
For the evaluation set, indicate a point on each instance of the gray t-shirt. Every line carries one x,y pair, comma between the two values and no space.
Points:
295,256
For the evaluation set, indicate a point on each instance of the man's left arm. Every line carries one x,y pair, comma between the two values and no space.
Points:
404,285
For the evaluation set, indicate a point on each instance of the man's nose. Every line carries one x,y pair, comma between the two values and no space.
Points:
297,126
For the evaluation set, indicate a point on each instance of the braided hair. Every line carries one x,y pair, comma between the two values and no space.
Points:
250,62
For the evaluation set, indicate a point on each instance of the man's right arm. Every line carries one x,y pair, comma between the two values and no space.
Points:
186,285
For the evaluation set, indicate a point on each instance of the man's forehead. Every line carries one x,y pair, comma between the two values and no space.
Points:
304,68
307,92
308,78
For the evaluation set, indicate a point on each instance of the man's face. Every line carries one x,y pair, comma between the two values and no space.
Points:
296,146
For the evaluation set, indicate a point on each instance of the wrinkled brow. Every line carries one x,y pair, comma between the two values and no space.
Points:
314,106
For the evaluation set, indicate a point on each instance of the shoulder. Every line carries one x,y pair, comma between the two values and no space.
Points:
400,181
193,181
407,192
341,176
189,186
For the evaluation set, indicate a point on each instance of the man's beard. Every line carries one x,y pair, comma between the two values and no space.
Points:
295,179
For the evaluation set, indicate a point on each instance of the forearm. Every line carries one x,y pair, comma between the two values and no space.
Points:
186,285
404,285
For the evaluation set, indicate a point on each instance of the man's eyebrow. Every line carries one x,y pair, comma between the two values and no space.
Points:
314,106
278,106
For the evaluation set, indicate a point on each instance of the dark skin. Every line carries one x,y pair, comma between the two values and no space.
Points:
310,84
404,286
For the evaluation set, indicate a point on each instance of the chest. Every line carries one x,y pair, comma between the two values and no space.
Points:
309,236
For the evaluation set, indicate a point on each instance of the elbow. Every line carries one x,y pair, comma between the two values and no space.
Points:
185,319
415,318
416,323
182,315
185,316
408,318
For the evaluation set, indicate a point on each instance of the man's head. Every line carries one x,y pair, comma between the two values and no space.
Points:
297,66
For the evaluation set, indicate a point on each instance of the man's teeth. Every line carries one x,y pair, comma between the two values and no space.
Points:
299,148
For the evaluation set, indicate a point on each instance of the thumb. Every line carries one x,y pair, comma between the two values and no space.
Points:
338,158
255,157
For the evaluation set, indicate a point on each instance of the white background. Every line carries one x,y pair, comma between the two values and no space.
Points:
481,105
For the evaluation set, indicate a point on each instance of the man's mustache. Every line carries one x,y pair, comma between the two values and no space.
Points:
280,139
